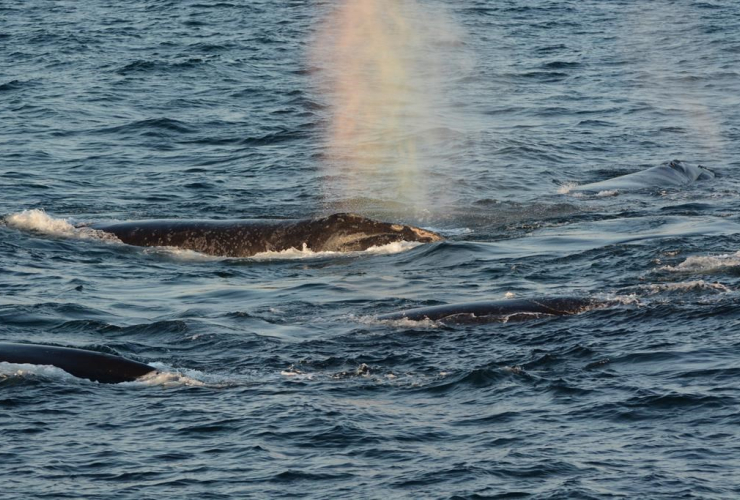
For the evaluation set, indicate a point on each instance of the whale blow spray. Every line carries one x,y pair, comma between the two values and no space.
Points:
385,67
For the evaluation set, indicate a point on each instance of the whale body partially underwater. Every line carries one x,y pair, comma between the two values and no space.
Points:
245,238
110,369
91,365
672,174
498,310
335,233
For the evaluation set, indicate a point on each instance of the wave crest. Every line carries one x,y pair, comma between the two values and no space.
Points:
705,263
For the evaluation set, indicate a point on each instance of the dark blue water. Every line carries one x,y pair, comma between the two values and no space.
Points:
278,382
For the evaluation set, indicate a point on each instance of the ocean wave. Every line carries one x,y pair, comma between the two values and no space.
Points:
149,126
685,287
143,66
705,264
12,85
364,374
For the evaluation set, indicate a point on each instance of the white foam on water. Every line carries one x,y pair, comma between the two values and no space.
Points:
607,193
703,264
181,254
567,187
296,374
25,370
166,376
307,253
686,286
37,220
610,299
398,323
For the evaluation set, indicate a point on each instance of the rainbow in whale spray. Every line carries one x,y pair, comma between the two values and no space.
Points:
384,69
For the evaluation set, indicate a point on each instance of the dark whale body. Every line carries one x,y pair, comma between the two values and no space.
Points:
244,238
671,174
497,310
95,366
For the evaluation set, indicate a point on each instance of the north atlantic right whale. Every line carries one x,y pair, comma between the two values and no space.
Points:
671,174
343,232
498,310
91,365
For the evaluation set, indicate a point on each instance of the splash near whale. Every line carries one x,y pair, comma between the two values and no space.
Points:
246,238
90,365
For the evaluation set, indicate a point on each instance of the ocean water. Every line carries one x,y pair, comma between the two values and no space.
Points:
277,380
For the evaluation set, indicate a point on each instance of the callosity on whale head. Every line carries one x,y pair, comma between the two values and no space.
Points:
348,232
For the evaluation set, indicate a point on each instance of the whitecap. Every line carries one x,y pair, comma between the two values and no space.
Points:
705,263
686,286
607,193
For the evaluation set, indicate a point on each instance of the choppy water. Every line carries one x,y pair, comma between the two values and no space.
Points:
278,382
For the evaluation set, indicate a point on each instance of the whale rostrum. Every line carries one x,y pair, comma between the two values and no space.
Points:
245,238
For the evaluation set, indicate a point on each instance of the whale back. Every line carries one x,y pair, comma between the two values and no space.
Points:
497,310
245,238
229,238
671,174
91,365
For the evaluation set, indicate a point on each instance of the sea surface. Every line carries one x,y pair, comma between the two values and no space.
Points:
277,380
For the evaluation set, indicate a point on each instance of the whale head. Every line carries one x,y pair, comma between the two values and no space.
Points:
347,232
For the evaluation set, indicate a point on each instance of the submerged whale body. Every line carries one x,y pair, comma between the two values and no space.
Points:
671,174
497,310
244,238
91,365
